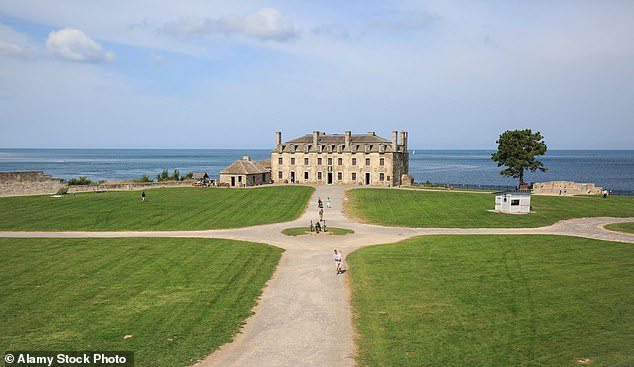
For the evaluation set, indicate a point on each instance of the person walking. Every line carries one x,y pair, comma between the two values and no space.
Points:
328,202
321,214
338,258
143,196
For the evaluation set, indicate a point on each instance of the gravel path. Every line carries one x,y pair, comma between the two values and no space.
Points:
304,316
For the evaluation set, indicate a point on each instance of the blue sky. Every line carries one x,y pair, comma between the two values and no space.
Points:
218,74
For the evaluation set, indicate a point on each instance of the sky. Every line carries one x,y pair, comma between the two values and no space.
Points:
229,74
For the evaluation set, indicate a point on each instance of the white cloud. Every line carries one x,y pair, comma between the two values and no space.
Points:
74,45
11,49
266,24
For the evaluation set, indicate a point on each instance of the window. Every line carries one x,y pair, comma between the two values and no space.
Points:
305,175
515,202
279,160
239,178
388,178
354,176
319,176
319,161
279,175
382,162
381,176
339,176
367,161
354,161
330,161
305,161
340,161
292,161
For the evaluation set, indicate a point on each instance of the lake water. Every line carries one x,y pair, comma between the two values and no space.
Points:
613,169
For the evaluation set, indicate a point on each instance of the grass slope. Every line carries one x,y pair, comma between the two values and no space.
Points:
621,227
494,301
410,208
179,298
164,209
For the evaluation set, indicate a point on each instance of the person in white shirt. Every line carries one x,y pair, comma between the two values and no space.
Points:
338,258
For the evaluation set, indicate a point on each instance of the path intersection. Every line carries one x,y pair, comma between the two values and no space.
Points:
304,317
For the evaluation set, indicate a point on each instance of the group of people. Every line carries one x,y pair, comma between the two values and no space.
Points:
320,205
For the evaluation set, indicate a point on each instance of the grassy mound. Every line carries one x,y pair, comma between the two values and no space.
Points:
621,227
163,209
494,301
298,231
178,299
410,208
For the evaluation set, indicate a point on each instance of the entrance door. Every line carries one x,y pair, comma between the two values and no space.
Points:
367,178
292,177
233,181
329,178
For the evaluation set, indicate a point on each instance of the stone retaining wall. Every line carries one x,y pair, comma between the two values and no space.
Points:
37,183
565,188
127,186
28,183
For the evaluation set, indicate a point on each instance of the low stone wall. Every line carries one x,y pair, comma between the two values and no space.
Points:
127,186
565,188
37,183
28,183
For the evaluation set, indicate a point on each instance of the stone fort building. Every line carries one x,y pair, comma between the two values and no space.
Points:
364,159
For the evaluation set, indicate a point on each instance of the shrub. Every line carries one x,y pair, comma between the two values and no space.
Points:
83,180
145,178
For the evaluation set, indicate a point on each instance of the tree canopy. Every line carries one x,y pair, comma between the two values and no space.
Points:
517,150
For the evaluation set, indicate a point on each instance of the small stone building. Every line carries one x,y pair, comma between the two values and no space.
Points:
514,202
199,176
359,159
245,172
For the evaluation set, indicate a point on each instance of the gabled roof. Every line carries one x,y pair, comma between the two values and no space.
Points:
340,139
199,175
266,163
244,166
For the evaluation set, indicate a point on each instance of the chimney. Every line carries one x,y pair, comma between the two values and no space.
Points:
347,139
371,133
278,138
394,141
404,140
246,158
315,138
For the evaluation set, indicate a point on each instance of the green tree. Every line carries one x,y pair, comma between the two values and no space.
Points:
517,150
176,176
163,176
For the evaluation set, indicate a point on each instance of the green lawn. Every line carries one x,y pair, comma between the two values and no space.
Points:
494,301
410,208
621,227
178,298
163,209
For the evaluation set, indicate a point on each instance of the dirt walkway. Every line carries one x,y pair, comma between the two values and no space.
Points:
304,316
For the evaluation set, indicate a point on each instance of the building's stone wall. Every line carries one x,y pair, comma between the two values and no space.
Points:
245,180
28,183
377,162
565,188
